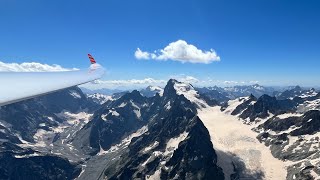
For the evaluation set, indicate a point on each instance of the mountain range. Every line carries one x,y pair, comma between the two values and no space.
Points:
175,132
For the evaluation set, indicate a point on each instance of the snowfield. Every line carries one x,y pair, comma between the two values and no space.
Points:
190,93
231,138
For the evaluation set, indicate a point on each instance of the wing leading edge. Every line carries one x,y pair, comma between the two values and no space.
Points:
18,86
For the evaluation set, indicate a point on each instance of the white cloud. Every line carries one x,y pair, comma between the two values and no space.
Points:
254,82
231,82
190,79
124,84
144,82
240,82
130,81
31,67
141,55
136,83
185,78
180,51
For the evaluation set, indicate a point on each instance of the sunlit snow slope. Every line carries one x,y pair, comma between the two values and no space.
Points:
229,135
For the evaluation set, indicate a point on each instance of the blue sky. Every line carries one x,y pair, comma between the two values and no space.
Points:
270,41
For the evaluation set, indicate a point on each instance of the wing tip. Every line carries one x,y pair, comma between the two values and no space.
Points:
92,61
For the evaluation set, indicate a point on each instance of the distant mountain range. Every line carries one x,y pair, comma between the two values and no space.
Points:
222,94
175,132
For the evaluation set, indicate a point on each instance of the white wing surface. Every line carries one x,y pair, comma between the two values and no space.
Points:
18,86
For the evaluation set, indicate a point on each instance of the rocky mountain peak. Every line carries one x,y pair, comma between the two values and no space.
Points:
252,97
169,88
266,98
297,88
175,88
134,95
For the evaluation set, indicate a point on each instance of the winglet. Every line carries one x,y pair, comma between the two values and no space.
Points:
91,59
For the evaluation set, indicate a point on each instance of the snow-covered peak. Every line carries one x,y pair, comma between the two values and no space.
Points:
188,91
100,98
152,91
244,88
258,87
310,93
156,89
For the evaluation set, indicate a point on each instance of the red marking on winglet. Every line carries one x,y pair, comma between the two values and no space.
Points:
91,59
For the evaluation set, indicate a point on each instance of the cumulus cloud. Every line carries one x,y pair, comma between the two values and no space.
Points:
130,81
186,78
31,67
124,84
254,82
180,51
240,82
231,82
144,82
141,55
190,79
136,83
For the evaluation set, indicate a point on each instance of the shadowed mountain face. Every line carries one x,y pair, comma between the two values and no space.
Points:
38,167
175,144
309,123
19,122
112,122
265,105
24,118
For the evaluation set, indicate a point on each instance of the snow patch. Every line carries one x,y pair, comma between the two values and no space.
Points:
137,112
286,115
82,170
50,118
104,117
122,104
114,113
75,94
173,143
42,124
309,105
168,106
155,176
27,155
39,137
310,93
136,109
125,142
233,104
155,144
